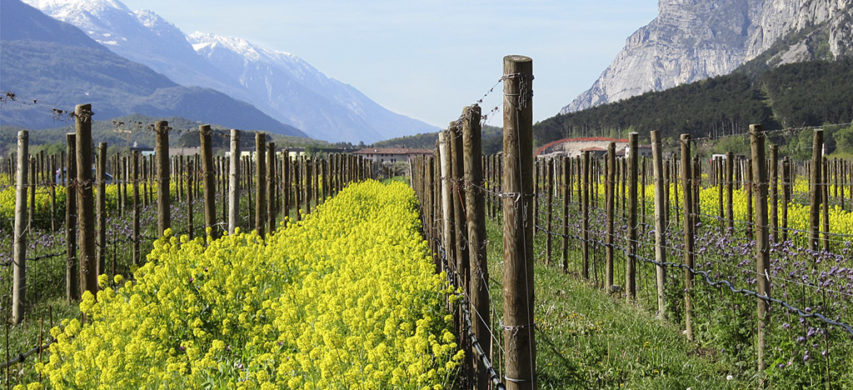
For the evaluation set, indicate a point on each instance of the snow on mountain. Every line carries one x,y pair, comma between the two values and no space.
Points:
278,83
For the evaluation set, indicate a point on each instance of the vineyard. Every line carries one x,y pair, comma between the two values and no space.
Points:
272,270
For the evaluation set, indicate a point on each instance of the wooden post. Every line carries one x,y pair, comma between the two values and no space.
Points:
660,223
774,182
730,182
19,271
762,247
825,204
85,200
610,205
285,189
135,178
271,190
32,193
786,195
720,177
190,195
161,150
630,264
446,205
234,182
749,196
101,208
688,233
814,179
53,183
72,282
475,203
549,208
260,182
208,177
520,345
585,215
566,167
457,170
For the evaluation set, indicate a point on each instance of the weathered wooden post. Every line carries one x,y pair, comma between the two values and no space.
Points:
234,181
101,208
825,204
260,182
660,223
72,282
520,345
762,247
630,264
446,205
208,178
270,184
135,178
774,183
687,194
585,214
730,182
549,208
475,213
816,197
161,146
85,200
610,205
19,271
565,165
190,195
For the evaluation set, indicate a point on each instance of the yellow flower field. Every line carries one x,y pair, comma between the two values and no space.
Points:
346,298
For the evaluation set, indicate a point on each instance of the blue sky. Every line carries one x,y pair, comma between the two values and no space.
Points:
428,59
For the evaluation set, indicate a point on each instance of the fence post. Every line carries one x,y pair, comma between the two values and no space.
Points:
207,176
786,195
814,179
72,283
520,345
565,165
271,189
549,198
19,272
161,146
687,194
762,247
825,204
233,181
475,204
446,208
631,263
260,182
85,200
285,189
774,182
610,205
585,214
101,208
190,195
730,182
135,178
660,223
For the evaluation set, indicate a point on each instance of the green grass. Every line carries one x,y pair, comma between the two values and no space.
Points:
588,339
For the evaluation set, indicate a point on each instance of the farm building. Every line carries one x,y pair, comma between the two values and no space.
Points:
573,147
391,155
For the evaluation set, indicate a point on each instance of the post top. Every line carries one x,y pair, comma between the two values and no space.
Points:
517,58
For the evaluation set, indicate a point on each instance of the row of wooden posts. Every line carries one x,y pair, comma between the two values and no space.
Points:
452,191
274,182
452,186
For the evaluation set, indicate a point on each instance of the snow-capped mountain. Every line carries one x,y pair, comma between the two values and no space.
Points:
327,108
282,85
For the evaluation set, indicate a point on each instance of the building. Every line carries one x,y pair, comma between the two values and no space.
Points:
391,155
573,147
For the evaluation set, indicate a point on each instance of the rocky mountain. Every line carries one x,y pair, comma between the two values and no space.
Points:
59,66
282,85
692,40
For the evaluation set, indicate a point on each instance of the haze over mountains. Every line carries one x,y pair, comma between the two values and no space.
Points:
280,85
691,40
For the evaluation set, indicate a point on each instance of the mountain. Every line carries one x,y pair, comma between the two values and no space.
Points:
692,40
280,84
60,66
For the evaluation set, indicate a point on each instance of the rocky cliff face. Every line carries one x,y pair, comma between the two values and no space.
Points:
692,40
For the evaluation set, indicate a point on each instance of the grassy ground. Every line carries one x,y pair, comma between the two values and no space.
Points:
588,339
